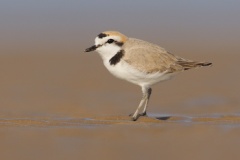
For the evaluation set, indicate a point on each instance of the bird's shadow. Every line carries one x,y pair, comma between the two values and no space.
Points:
163,118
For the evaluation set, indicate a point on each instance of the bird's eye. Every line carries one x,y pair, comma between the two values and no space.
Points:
110,41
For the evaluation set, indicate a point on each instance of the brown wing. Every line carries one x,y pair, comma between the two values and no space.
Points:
150,58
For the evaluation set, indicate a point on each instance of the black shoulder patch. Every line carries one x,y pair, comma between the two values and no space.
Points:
101,35
116,58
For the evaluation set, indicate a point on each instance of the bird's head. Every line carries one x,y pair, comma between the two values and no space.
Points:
108,42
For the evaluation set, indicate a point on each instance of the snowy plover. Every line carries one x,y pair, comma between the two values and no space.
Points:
139,62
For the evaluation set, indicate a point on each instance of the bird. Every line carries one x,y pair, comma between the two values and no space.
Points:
139,62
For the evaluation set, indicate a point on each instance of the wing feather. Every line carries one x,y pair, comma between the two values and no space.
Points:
150,58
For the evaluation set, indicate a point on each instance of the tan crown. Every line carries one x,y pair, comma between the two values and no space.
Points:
115,33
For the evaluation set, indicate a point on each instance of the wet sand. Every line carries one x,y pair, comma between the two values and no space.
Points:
98,121
115,137
67,106
58,103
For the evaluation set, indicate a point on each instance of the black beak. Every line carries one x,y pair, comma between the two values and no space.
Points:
93,48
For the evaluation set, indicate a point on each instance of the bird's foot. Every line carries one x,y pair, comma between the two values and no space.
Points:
134,118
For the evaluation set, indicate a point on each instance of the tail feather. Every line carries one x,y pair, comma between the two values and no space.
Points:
191,64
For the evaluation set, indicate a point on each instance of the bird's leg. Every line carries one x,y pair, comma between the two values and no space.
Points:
144,113
144,98
136,115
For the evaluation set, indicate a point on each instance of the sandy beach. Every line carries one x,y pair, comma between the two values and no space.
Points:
115,137
58,103
55,106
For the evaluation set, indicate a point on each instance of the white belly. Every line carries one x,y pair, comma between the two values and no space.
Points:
124,71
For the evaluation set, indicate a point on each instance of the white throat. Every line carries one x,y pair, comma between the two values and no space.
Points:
108,51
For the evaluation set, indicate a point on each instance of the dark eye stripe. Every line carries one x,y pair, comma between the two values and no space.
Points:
119,43
116,42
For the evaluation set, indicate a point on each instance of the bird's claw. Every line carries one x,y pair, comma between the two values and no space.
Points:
139,115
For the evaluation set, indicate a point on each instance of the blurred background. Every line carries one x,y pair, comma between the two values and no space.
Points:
44,74
44,70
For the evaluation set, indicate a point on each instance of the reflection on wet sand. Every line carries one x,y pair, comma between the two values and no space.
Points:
119,120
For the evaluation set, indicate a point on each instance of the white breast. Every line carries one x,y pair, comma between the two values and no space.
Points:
124,71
